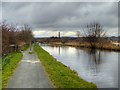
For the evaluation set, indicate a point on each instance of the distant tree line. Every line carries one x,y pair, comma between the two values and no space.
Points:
14,37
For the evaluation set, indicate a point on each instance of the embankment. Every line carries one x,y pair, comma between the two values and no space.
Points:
61,75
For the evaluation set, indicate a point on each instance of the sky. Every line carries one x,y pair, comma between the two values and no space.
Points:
49,18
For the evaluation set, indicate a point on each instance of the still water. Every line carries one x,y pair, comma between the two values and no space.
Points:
99,67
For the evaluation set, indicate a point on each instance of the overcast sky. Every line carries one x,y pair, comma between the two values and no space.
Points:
47,18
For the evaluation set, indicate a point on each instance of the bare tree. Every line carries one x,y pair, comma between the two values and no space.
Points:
11,35
26,35
94,34
8,36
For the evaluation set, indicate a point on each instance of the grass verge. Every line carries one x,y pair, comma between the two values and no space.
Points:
61,75
0,80
9,68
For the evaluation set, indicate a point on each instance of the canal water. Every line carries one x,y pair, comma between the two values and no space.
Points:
99,67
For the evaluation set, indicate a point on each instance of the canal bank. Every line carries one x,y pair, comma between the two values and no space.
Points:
9,65
109,47
61,75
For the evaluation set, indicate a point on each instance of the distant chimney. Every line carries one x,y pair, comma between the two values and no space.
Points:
59,35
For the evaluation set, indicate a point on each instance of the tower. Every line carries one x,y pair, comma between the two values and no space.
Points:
59,35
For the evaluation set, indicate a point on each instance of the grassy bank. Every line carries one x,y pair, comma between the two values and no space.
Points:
60,75
10,62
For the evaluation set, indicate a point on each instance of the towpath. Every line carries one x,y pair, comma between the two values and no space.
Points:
30,73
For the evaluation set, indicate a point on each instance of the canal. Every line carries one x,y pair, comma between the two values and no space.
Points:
99,67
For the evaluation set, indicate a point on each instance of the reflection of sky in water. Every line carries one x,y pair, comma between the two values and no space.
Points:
94,66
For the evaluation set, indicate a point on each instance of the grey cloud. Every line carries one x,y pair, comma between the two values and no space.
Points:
61,15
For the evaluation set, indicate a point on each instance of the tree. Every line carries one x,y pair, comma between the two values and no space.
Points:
8,36
11,36
26,34
94,34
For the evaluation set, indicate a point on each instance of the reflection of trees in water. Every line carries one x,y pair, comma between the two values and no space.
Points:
43,44
94,60
59,48
78,52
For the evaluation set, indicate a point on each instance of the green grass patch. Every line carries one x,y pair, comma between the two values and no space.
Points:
9,68
60,75
0,73
0,80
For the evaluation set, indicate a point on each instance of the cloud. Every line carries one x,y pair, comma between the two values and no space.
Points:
43,33
60,1
61,16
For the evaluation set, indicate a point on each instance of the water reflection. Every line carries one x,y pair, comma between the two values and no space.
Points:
59,49
94,60
96,66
